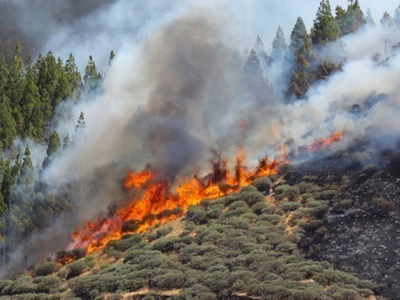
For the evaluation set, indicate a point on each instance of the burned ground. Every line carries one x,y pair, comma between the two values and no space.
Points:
363,221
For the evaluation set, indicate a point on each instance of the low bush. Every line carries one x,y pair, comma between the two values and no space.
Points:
160,233
252,197
45,268
76,268
168,244
259,207
291,192
263,184
327,195
47,283
197,215
126,243
384,206
287,206
170,280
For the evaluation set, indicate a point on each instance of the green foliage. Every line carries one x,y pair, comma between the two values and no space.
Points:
279,46
167,244
76,268
160,233
170,280
326,28
46,268
263,184
196,214
350,20
290,192
125,243
252,197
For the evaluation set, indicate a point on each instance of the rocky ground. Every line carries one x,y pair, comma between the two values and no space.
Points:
363,222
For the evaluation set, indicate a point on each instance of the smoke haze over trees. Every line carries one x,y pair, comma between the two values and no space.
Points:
182,81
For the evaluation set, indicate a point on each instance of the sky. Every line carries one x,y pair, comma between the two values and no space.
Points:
285,14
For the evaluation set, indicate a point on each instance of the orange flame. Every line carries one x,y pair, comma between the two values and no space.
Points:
323,142
159,205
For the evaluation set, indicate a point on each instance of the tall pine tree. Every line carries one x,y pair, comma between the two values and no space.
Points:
326,28
279,46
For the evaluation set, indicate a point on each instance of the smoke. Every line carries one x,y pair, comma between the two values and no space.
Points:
176,90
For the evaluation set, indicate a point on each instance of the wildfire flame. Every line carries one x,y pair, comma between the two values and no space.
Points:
323,142
156,203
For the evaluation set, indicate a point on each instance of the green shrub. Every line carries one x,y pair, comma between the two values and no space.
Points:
216,281
263,184
197,292
306,295
329,276
76,268
313,203
248,188
327,194
252,197
160,233
286,247
291,192
167,244
287,206
259,207
103,283
214,213
45,268
46,283
170,280
273,219
237,222
196,214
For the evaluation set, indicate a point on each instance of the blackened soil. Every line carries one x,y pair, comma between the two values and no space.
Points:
363,220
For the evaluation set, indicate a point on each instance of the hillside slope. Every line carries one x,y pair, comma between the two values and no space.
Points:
242,246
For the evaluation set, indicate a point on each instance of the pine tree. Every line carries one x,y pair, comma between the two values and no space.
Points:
79,129
26,176
66,142
74,78
326,29
30,109
16,80
387,20
396,16
301,46
265,60
112,56
350,20
368,18
279,46
255,85
53,146
299,39
8,130
92,78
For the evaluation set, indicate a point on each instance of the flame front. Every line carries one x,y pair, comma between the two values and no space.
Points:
155,202
323,142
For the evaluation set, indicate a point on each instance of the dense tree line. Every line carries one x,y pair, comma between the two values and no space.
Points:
29,96
304,58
